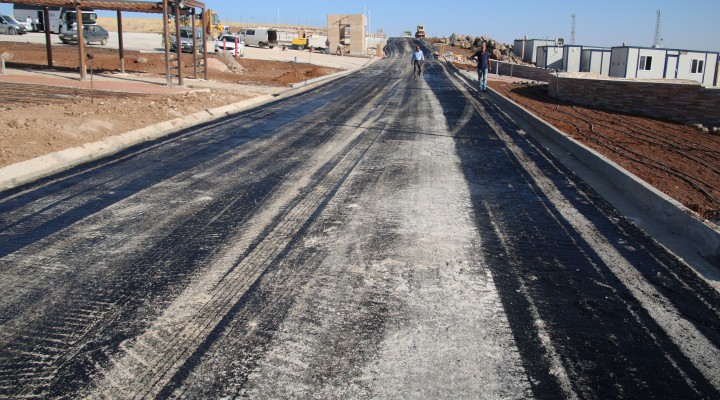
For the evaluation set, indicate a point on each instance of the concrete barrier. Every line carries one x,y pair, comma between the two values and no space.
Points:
665,219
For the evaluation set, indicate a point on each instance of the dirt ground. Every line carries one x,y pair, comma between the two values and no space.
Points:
264,72
36,120
678,160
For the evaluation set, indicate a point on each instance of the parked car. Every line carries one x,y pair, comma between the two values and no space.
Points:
227,43
186,40
11,26
91,33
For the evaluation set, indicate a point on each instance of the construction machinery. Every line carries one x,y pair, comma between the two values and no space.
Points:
420,31
307,40
208,21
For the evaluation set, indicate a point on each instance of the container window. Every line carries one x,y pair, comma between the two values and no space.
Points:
645,63
697,66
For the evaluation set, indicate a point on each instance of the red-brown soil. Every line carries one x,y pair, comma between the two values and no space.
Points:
36,120
264,72
678,160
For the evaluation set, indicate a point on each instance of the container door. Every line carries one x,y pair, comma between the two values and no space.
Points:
671,65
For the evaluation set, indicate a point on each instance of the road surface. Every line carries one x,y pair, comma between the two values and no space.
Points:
378,237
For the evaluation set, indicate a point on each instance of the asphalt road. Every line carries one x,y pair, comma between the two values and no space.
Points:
378,237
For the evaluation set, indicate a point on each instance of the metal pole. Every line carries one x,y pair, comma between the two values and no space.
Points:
81,40
179,43
46,25
120,41
166,35
204,43
194,49
92,98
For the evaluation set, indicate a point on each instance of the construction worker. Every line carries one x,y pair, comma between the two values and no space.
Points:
483,58
418,59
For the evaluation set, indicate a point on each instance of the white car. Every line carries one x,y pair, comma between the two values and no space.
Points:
227,43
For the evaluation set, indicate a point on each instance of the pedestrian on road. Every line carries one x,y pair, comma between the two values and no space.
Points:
327,46
338,52
483,59
36,25
28,23
418,59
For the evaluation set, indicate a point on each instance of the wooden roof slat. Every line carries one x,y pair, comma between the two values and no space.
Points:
143,6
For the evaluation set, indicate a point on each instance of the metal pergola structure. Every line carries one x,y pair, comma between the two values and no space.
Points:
164,7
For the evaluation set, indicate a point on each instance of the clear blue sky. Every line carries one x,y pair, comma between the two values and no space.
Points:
689,24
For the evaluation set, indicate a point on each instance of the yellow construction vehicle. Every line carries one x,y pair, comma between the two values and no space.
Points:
208,21
211,23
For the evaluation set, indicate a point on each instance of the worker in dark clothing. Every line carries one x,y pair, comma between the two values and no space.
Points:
418,59
483,59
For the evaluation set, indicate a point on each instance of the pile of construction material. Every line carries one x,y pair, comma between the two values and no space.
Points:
500,51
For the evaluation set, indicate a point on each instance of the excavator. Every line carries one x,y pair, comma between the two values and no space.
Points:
208,21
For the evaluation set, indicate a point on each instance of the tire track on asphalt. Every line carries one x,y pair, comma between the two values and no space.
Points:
59,350
170,348
704,355
401,305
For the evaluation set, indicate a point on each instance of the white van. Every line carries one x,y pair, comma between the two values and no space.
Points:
260,37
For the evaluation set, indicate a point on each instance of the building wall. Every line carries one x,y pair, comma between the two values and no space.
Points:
550,57
531,46
684,70
518,47
680,102
571,58
657,67
358,41
618,62
666,64
596,61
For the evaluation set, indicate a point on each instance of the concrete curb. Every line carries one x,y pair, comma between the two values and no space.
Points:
30,170
628,191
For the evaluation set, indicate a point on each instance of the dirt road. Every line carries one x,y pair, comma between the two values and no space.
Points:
379,237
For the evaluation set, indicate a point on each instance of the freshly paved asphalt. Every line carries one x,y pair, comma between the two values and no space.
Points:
378,237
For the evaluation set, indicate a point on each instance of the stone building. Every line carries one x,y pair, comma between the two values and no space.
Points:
349,31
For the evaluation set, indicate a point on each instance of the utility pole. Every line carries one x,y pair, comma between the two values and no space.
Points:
572,29
658,39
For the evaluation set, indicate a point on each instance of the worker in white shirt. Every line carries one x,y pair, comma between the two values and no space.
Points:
418,59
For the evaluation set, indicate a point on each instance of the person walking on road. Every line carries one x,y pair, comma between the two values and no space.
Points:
483,59
418,59
339,50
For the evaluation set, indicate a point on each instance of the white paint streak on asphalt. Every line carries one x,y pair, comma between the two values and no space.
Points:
704,355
